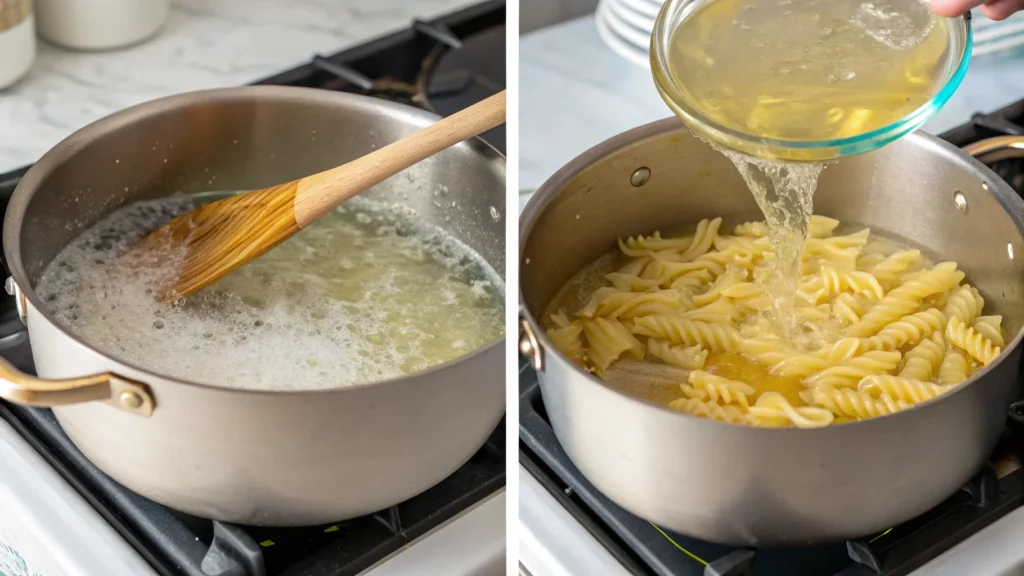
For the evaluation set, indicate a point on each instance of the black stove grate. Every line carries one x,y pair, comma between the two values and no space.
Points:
1008,121
644,548
423,66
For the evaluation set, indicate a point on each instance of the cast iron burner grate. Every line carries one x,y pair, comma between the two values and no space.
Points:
1008,121
426,66
644,548
442,66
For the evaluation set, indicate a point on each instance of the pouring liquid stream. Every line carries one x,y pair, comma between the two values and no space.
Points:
806,71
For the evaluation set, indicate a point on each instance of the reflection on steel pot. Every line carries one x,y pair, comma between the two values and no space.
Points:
255,457
747,486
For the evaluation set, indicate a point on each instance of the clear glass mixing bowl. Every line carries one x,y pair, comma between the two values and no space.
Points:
675,12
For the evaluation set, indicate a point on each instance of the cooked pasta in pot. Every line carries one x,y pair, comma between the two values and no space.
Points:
884,328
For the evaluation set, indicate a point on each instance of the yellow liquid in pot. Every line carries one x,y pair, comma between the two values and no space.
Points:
809,70
606,319
367,293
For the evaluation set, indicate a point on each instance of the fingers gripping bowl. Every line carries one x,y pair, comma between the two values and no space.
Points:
747,486
281,454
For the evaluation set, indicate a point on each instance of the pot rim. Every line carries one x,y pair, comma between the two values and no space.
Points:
56,156
552,187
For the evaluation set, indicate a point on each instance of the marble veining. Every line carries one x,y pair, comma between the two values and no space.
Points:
575,93
203,45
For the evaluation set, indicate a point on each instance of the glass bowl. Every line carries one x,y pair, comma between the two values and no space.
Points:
675,12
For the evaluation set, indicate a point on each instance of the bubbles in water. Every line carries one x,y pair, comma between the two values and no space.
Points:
368,292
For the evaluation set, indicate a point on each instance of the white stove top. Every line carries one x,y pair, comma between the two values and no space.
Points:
48,529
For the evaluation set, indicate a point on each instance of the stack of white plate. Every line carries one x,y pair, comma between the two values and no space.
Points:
625,26
997,37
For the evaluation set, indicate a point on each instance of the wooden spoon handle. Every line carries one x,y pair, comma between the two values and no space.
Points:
320,193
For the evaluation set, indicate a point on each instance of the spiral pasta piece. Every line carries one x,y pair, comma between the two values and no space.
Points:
906,298
725,280
609,339
711,410
831,281
703,238
852,370
804,365
765,352
773,408
758,247
616,305
689,357
953,369
852,403
965,304
889,269
821,226
909,329
901,389
713,337
990,327
966,338
848,308
923,361
664,273
707,386
630,282
753,229
642,245
719,312
567,341
840,250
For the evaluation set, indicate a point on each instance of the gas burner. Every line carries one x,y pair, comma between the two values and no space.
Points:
442,66
468,75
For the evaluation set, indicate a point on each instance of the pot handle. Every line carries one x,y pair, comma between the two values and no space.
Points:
529,345
997,148
121,393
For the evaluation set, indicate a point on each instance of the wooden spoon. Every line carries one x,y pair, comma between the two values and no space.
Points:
221,236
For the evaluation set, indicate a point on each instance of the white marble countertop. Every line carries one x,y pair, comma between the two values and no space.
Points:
575,92
204,44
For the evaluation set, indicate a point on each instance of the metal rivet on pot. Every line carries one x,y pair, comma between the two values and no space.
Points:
640,177
960,201
131,400
1009,250
9,286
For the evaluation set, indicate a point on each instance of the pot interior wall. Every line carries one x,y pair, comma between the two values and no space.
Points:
244,139
903,191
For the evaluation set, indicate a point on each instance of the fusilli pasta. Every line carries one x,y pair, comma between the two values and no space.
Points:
875,328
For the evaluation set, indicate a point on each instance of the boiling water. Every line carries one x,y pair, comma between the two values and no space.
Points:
809,70
369,292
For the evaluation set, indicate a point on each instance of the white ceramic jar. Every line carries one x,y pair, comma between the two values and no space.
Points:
99,24
17,40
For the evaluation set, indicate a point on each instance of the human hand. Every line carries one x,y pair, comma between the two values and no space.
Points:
992,9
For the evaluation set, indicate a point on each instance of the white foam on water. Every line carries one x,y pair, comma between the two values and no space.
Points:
367,293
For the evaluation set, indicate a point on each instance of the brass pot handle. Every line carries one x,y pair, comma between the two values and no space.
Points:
529,345
997,148
117,391
121,393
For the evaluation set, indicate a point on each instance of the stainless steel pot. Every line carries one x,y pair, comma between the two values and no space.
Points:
267,458
767,487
